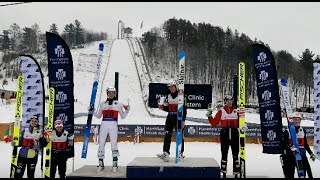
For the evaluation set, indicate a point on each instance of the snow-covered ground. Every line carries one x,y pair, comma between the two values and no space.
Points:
257,163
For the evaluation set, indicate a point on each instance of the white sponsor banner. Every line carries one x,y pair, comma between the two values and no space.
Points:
33,97
316,81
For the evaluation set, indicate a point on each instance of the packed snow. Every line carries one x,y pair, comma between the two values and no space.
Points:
257,163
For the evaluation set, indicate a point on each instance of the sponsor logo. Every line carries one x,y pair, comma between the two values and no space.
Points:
60,74
271,135
39,104
263,75
32,110
31,65
191,130
32,98
32,87
61,97
262,57
32,76
269,115
266,95
59,51
38,92
138,130
63,117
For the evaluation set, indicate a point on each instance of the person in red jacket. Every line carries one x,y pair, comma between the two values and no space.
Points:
228,119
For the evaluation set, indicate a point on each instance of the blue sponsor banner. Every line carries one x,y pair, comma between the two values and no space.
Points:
198,96
269,99
60,68
254,131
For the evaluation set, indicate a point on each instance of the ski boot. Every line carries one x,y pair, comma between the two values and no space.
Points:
181,157
164,156
115,165
115,154
101,166
236,168
224,168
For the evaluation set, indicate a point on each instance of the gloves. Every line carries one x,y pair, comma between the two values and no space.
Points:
162,99
47,134
126,107
36,145
161,102
209,112
313,157
70,143
294,149
244,127
12,143
236,110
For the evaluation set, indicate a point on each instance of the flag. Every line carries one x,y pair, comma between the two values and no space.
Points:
269,99
7,136
60,68
33,90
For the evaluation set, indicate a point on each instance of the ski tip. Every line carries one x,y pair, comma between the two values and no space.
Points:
283,81
182,54
101,46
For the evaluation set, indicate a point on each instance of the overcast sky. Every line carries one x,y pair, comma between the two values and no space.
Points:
292,26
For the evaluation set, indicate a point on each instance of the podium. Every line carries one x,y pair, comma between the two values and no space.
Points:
153,167
90,171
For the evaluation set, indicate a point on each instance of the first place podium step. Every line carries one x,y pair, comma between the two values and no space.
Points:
153,167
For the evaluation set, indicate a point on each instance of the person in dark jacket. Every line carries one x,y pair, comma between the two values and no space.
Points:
31,141
169,104
61,141
288,158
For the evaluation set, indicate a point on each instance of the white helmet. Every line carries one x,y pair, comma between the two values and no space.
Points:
296,115
111,88
172,82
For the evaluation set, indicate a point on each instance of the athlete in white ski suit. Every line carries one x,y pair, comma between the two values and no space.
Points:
109,111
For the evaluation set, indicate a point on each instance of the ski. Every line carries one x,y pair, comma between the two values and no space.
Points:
49,128
292,131
16,130
92,101
180,104
242,120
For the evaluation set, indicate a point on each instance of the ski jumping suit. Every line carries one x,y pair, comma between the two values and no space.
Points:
171,106
60,143
288,158
229,135
31,140
109,111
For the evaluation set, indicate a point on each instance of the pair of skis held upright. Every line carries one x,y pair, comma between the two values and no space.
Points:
239,86
16,131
